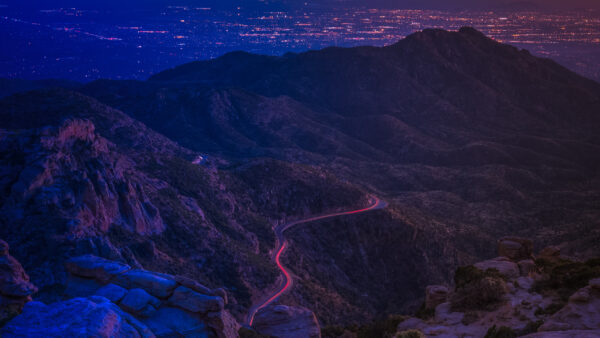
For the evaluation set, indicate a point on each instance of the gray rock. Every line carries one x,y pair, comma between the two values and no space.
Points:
286,321
515,248
503,265
91,266
193,301
582,312
192,284
78,317
139,302
112,292
221,293
81,287
174,322
157,284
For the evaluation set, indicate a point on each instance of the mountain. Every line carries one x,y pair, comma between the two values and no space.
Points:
80,177
467,139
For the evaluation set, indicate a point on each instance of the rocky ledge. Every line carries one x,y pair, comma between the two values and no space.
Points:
515,294
110,299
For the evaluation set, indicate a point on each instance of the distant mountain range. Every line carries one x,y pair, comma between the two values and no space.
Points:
467,139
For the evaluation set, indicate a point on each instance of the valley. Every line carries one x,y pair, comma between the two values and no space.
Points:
206,171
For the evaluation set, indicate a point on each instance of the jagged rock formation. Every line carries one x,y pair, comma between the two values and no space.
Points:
112,299
283,321
582,312
493,294
15,287
79,177
78,317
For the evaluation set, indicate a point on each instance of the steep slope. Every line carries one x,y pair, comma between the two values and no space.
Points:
79,177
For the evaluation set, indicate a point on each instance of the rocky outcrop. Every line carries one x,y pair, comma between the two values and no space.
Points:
15,288
285,321
193,301
515,248
130,302
582,312
100,269
502,294
79,317
504,265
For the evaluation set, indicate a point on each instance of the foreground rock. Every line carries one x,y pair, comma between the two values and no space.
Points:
285,321
114,300
515,295
78,317
15,288
582,312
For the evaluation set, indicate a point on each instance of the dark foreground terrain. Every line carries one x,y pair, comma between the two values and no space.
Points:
468,140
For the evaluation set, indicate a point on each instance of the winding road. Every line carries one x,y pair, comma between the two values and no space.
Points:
282,245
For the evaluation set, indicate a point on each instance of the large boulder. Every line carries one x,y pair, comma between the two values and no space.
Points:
112,292
78,317
503,265
515,248
286,321
192,284
193,301
100,269
174,322
139,303
157,284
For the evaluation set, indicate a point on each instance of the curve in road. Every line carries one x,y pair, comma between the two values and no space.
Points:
376,203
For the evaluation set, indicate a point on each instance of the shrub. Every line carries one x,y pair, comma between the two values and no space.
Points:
380,328
332,331
249,333
477,289
502,332
565,276
424,313
410,334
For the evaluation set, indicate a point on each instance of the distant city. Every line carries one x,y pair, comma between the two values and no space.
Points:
84,45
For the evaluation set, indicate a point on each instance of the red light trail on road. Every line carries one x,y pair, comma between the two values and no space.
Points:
279,230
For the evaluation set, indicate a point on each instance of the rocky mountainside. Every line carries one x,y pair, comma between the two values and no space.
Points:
467,139
79,177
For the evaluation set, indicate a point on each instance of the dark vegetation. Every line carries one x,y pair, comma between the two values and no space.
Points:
500,332
565,276
382,328
477,289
